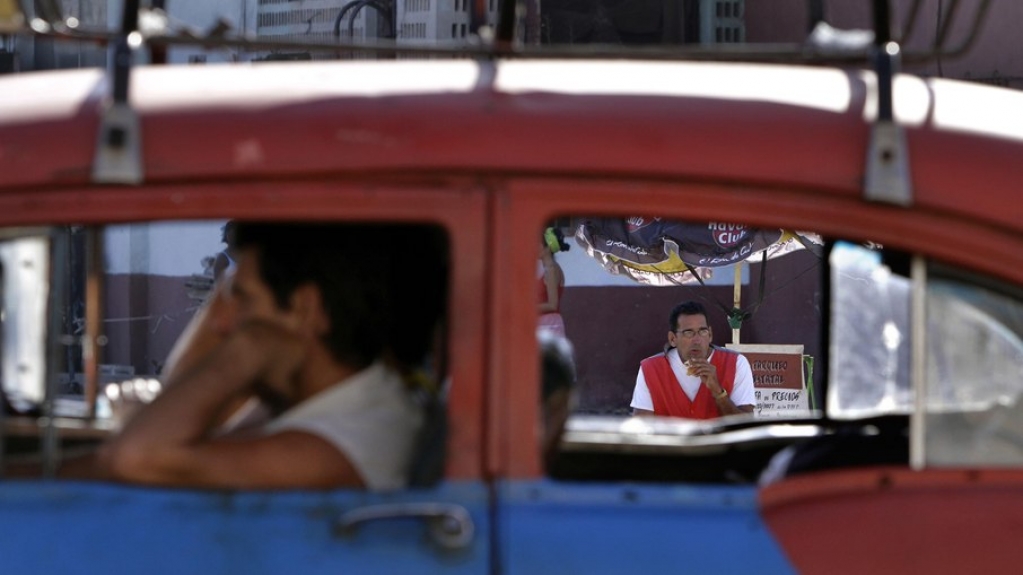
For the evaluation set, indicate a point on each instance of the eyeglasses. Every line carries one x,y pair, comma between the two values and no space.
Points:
691,333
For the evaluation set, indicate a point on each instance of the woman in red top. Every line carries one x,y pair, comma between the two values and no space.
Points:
551,282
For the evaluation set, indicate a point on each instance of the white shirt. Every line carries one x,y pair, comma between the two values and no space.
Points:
371,418
742,388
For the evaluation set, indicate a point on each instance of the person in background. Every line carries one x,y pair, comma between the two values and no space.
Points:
323,332
224,261
557,368
693,378
551,282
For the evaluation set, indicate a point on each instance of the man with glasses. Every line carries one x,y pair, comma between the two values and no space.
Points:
693,378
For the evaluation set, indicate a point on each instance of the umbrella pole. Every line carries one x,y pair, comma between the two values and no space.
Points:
737,298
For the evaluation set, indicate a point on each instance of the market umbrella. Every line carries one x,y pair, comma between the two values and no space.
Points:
660,252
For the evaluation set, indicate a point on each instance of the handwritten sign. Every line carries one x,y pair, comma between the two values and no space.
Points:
777,378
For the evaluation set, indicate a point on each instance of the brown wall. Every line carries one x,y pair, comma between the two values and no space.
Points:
144,317
614,328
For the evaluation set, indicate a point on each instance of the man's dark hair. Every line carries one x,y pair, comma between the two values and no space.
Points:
686,308
384,287
227,232
557,364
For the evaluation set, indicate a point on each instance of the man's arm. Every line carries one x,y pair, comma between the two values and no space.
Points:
727,407
203,335
169,441
641,404
290,459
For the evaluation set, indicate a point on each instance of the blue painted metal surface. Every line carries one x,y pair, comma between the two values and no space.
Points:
566,528
65,527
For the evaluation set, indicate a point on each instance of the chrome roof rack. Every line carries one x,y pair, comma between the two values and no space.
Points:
819,48
118,157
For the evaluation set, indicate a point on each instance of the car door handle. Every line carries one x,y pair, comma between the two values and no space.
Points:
448,525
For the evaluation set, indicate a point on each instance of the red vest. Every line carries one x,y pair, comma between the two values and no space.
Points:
666,392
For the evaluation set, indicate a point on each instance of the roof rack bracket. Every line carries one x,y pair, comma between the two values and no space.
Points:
887,171
118,158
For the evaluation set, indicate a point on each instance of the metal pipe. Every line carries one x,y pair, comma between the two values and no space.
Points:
3,398
50,442
123,52
882,22
94,338
505,37
918,363
157,53
737,298
885,65
779,52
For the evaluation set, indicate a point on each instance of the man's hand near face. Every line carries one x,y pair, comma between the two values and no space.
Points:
708,374
204,337
255,346
269,359
705,370
201,337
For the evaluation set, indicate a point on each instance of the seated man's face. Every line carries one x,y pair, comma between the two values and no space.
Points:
249,298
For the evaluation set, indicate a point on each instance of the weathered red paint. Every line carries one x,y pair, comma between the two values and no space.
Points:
894,520
493,150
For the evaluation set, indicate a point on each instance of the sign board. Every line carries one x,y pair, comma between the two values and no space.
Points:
777,379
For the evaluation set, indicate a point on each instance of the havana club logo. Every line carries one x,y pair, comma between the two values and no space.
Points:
727,236
636,223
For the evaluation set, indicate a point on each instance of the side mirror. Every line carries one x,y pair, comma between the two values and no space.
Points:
24,269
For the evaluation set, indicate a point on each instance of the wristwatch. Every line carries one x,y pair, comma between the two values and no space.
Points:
722,395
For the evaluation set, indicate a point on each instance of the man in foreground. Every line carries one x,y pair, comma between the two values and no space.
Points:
308,324
693,378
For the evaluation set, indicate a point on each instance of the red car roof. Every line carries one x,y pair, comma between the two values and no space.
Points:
768,125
